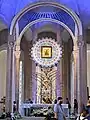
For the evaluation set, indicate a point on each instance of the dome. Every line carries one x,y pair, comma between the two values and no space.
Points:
9,8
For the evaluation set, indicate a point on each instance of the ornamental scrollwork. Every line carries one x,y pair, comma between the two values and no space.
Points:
46,52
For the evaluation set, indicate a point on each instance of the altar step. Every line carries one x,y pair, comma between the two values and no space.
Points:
28,118
33,118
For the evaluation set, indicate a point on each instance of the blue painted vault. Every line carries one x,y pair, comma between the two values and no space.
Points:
9,8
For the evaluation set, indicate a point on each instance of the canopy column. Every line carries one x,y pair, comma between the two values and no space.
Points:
82,79
17,55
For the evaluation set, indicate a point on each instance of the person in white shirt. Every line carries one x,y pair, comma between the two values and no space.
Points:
58,110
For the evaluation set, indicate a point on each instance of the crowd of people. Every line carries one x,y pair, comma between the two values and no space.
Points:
59,110
59,113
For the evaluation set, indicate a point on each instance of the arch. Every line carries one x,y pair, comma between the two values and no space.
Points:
41,20
44,3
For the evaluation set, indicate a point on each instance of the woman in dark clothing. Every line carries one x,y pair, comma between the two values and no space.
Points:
14,107
75,106
69,105
88,106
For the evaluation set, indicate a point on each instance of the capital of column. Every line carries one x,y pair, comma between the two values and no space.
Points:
72,57
10,44
11,41
80,43
17,51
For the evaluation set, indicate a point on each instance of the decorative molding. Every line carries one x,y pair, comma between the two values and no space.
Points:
10,44
80,43
17,52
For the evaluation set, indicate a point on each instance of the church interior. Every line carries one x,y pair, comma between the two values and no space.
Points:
44,54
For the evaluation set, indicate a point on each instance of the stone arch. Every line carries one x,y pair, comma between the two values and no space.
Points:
54,4
40,20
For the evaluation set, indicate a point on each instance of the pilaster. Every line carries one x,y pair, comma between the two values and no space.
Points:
34,83
27,71
59,83
59,74
83,72
10,75
17,56
80,73
73,80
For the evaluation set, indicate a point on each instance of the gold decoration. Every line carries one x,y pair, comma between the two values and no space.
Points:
46,51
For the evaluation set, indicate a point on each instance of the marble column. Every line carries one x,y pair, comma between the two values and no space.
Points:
72,84
17,55
82,80
34,82
88,68
80,73
74,63
27,71
59,76
38,92
59,84
65,71
77,73
13,77
10,75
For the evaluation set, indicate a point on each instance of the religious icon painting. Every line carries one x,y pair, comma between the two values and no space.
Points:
46,52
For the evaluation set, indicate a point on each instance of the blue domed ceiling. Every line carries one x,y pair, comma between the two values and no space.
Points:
9,8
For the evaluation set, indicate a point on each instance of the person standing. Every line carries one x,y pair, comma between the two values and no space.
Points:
58,110
88,106
75,107
69,105
55,103
14,107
